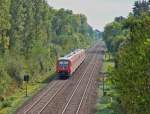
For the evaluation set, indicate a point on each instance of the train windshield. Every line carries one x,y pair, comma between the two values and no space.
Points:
63,64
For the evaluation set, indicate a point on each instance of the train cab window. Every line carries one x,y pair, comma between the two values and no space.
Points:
63,64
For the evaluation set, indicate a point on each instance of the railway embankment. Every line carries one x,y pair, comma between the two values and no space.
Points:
107,102
18,97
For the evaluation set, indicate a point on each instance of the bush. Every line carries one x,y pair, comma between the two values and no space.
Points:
5,103
14,68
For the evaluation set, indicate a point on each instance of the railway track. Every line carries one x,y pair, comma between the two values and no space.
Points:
38,98
88,98
60,95
76,87
72,101
85,91
46,97
51,108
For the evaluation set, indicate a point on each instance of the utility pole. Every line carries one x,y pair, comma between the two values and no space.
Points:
26,90
104,76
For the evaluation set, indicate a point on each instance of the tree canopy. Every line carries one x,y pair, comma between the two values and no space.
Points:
129,42
31,33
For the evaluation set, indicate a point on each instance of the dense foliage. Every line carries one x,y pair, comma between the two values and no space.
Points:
31,33
114,34
129,41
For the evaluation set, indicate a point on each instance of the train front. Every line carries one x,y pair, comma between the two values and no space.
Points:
63,68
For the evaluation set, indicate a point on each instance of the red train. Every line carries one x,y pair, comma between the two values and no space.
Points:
68,64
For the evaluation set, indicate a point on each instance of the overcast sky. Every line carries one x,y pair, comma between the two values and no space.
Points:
98,12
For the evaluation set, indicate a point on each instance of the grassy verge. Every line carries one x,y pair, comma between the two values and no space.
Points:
109,103
9,105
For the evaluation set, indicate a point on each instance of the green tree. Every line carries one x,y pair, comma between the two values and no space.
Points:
31,33
17,12
4,24
141,7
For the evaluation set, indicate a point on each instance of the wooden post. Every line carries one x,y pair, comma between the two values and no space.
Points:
26,90
103,87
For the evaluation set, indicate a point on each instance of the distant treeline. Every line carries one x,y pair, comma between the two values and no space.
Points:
31,33
128,40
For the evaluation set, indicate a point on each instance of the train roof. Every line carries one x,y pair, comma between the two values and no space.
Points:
70,55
